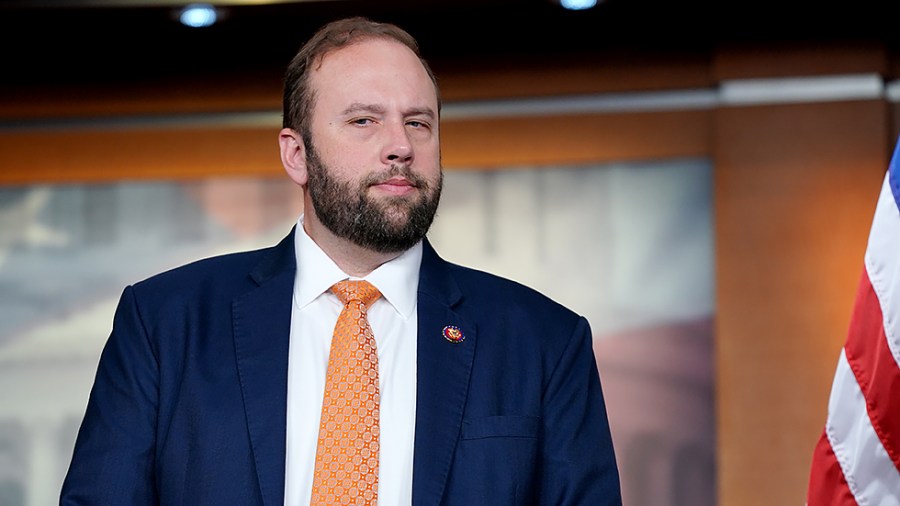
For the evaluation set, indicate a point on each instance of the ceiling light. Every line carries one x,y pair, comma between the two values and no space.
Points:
198,15
577,5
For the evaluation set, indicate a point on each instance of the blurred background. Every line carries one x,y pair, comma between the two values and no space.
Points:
697,178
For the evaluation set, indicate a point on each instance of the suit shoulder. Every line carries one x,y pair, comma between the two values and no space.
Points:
500,292
215,272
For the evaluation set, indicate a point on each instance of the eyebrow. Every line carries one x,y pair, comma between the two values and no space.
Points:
421,111
358,107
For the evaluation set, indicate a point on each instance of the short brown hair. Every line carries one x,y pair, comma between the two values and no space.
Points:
299,98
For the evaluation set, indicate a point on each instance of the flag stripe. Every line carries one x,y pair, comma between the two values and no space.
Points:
869,472
875,368
827,486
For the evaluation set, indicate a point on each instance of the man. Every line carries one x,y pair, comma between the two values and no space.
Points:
210,389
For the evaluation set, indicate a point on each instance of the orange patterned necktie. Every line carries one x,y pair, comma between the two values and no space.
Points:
347,456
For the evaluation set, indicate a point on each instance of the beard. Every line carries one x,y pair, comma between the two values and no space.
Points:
390,225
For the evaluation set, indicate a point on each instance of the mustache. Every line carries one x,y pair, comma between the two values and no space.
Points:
395,170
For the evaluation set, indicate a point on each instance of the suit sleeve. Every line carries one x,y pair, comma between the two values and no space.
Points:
113,459
579,463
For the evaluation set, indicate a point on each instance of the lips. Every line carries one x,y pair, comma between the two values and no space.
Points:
397,181
396,185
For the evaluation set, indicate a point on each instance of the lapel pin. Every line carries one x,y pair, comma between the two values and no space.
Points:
453,334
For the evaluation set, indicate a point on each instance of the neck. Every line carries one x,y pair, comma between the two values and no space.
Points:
350,257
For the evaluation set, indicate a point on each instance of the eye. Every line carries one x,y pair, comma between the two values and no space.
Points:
362,121
417,124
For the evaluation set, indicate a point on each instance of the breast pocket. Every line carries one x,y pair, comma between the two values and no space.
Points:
496,461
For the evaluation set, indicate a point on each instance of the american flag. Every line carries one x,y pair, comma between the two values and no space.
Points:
857,458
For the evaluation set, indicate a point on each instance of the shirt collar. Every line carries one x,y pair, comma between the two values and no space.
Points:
397,279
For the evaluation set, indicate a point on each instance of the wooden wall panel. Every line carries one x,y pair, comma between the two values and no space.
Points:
572,139
102,155
799,59
187,153
795,189
634,72
159,98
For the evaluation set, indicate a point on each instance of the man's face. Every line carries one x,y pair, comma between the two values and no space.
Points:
373,163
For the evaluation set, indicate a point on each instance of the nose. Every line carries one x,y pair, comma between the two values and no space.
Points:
397,146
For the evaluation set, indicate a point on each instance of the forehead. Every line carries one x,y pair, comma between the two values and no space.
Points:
377,71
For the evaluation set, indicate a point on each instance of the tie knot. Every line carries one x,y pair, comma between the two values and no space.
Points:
362,291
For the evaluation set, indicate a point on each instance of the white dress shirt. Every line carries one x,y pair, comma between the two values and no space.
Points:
393,319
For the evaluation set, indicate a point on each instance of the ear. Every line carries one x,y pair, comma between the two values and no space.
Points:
293,155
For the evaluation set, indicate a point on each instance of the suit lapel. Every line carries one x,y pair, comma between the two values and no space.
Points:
443,370
261,320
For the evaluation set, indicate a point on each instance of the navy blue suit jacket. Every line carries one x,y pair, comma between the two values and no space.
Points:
188,405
